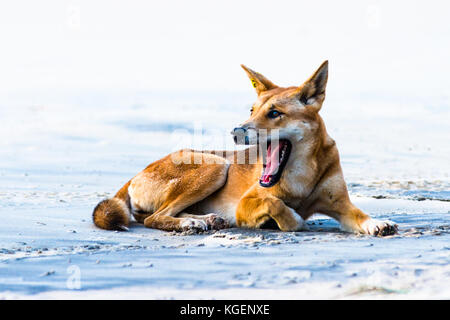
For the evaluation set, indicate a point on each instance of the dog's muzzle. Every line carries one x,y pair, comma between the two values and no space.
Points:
240,135
244,135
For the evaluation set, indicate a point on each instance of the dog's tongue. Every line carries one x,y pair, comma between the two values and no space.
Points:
272,162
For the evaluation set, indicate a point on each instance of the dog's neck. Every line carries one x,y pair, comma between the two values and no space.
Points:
307,163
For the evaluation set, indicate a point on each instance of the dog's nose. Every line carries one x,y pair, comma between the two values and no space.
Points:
240,135
239,130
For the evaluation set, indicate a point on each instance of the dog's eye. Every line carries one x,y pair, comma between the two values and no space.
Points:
251,111
273,114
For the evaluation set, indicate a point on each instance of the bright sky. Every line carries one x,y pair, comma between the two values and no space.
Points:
372,45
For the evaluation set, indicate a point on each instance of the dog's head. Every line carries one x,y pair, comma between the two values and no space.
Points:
282,118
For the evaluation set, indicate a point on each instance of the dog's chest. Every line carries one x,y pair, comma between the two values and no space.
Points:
297,181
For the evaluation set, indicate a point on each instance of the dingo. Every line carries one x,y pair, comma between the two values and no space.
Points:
290,172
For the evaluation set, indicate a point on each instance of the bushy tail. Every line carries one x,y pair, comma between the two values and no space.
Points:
113,214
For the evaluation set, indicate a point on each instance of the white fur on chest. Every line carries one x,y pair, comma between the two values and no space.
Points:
295,179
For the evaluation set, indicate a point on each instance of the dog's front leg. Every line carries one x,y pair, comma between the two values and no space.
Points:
331,198
353,219
254,209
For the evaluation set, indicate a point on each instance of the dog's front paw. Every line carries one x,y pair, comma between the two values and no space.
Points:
193,225
301,223
215,222
301,226
379,228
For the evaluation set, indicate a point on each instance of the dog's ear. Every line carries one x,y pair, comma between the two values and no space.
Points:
259,82
312,92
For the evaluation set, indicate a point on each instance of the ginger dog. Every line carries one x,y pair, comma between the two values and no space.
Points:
290,171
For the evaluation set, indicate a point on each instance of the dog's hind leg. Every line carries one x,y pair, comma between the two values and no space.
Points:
166,188
212,220
165,219
167,216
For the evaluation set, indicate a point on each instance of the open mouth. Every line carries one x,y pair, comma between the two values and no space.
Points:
276,159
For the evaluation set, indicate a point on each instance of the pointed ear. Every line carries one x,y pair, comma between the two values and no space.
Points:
312,92
259,82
